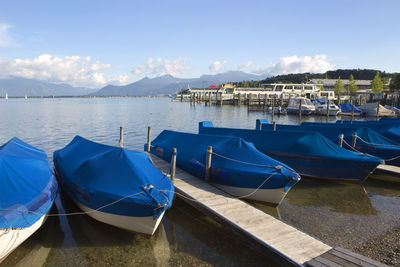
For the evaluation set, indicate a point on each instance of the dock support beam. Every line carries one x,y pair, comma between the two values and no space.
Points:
300,111
173,164
208,163
352,112
121,136
148,138
353,144
341,136
274,125
327,109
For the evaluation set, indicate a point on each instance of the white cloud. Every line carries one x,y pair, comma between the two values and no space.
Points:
161,66
245,65
217,66
295,64
5,39
73,70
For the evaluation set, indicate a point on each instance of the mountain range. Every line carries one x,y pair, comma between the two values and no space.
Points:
168,84
162,85
20,86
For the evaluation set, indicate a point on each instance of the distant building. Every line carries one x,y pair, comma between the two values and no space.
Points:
329,84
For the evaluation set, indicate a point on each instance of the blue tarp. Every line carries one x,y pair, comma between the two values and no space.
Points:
370,142
27,185
348,107
390,130
243,171
308,153
96,175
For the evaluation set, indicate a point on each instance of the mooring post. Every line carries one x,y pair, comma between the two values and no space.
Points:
353,144
377,110
273,109
208,163
121,136
148,138
173,164
300,110
274,125
352,112
341,136
327,110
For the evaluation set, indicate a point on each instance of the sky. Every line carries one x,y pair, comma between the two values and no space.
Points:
94,43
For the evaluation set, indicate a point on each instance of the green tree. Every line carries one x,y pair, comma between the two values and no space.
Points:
384,83
352,87
395,83
376,84
322,86
339,88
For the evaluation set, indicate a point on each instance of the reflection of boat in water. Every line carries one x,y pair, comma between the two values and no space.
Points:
99,243
342,198
39,248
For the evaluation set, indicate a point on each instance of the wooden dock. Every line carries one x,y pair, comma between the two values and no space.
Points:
388,169
290,246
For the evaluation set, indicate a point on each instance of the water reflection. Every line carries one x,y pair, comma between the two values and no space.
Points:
340,197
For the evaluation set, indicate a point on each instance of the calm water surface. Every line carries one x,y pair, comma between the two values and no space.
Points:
351,216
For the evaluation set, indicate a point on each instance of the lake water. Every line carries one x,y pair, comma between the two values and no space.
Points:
357,217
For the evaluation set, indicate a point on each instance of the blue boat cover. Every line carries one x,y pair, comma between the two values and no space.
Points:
27,185
370,142
248,169
97,175
309,153
347,108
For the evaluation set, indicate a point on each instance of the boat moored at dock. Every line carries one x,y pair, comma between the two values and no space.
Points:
308,153
300,103
114,185
237,166
28,188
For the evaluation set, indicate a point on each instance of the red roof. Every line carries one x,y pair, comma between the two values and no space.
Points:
213,85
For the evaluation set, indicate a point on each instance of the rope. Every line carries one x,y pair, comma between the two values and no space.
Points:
248,163
272,174
73,213
376,144
370,144
344,141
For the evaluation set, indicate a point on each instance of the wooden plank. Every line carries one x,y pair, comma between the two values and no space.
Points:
388,169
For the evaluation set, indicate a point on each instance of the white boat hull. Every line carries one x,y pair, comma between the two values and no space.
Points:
271,196
11,238
146,225
332,112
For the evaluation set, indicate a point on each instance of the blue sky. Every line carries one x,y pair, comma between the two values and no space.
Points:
92,43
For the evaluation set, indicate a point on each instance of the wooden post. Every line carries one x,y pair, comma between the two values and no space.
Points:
377,110
208,163
239,99
265,100
181,96
300,110
353,144
148,138
273,107
274,125
173,164
327,109
121,136
341,136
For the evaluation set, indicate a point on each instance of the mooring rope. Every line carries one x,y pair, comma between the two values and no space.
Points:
353,148
248,163
376,144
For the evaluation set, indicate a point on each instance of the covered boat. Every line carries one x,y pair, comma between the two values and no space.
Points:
323,106
308,153
307,107
237,167
27,192
376,109
368,141
346,109
114,185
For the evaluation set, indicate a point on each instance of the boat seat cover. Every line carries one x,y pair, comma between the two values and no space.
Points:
97,174
27,184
